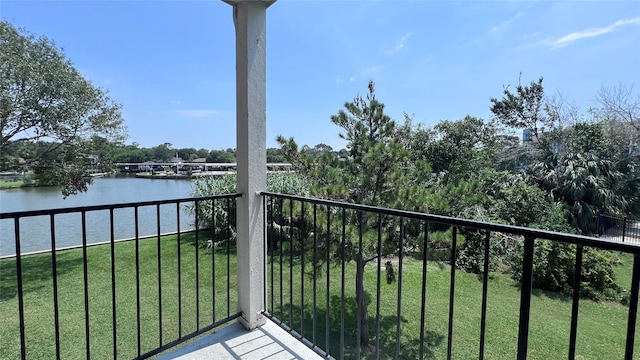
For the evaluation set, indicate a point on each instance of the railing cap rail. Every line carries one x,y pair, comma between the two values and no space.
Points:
19,214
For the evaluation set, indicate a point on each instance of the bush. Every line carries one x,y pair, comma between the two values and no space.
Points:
554,269
439,245
278,182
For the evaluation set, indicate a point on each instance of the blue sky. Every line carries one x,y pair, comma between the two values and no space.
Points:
172,63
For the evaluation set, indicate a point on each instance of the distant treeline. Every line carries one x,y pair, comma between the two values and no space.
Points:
166,153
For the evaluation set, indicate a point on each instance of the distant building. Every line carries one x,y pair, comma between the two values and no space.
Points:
527,136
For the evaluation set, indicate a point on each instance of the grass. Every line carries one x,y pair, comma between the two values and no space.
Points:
601,327
11,184
38,299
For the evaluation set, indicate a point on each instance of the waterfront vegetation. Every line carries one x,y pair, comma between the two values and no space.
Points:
11,184
601,326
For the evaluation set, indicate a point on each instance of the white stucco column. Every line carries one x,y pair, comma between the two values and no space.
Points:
250,22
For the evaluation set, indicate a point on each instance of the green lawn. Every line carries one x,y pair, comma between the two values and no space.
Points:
38,299
11,184
601,326
601,331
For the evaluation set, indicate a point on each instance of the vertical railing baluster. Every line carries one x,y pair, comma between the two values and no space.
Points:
359,295
378,285
213,260
179,270
137,246
315,271
291,263
85,273
576,302
281,218
265,242
197,208
159,260
228,257
16,228
54,277
525,298
273,238
633,308
452,292
302,249
112,249
485,288
328,299
423,303
342,278
399,305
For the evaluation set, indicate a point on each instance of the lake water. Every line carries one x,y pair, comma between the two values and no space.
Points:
35,231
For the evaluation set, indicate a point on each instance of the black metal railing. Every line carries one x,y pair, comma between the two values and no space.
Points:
326,268
618,229
131,298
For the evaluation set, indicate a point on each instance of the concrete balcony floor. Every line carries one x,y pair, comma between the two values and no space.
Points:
234,342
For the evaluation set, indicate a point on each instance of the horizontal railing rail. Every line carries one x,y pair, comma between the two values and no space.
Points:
317,250
129,299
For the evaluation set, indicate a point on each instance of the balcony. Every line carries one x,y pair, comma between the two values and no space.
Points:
177,294
308,278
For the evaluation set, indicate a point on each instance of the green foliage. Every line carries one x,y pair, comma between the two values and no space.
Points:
376,170
554,269
458,149
274,155
46,104
587,185
224,210
513,200
220,156
524,109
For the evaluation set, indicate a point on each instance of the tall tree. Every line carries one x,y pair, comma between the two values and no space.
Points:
44,100
620,110
525,109
579,166
461,149
163,152
220,156
377,171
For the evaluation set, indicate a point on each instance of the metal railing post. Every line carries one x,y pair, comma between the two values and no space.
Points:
525,298
633,309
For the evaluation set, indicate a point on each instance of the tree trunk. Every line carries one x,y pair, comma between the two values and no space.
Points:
362,305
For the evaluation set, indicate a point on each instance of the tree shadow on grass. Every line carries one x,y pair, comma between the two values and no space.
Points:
36,273
551,294
410,343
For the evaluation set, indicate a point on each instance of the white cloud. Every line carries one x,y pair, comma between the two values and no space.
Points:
370,71
399,44
592,32
175,102
364,73
505,24
108,81
197,113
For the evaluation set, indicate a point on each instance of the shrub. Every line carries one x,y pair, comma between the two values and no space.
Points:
554,269
278,182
